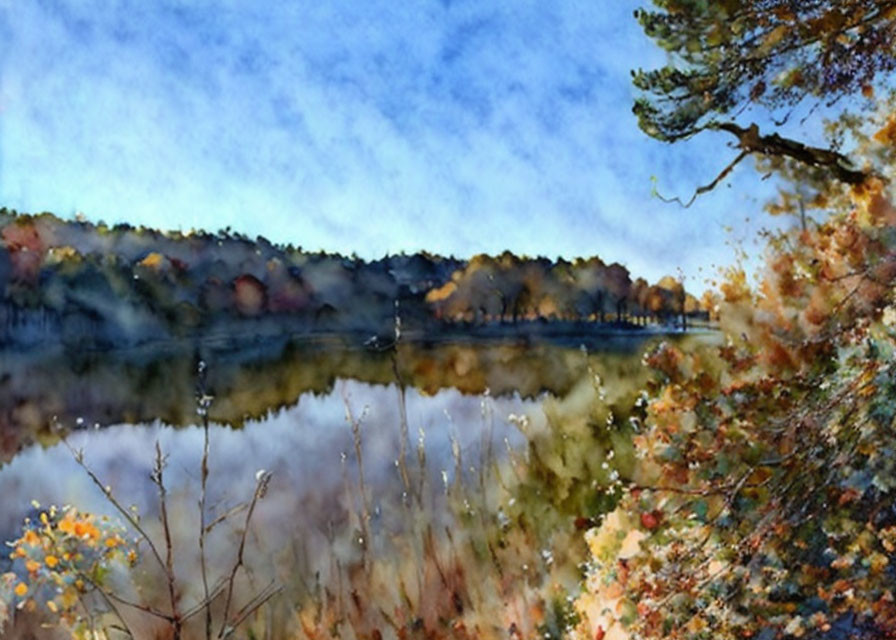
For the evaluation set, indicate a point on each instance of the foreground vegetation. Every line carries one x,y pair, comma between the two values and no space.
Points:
483,549
762,495
761,502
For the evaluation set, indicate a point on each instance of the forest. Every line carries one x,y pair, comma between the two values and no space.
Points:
95,286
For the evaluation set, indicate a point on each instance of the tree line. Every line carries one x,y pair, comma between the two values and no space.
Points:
129,284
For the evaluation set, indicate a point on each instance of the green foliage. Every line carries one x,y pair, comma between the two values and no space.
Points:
729,54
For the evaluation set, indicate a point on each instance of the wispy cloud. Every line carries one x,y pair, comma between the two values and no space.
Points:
374,127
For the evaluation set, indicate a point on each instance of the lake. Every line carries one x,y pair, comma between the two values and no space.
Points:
412,487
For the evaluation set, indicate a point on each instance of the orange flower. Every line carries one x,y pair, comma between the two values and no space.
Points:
51,561
30,538
67,525
85,529
21,589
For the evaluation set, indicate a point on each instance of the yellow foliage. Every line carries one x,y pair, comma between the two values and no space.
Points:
773,37
442,293
887,134
153,260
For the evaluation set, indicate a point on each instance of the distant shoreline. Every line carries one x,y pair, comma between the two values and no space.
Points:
257,333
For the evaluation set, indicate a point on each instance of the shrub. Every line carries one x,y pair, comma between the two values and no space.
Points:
762,497
63,560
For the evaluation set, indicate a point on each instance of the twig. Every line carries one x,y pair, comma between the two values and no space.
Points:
217,590
203,402
224,516
261,485
356,435
128,516
707,187
108,595
159,480
404,436
271,590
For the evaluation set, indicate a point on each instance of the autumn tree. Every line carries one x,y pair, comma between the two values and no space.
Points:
771,57
761,504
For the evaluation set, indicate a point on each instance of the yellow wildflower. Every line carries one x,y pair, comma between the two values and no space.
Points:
70,597
30,538
67,525
86,530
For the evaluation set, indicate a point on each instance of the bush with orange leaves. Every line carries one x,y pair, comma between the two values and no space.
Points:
62,561
762,502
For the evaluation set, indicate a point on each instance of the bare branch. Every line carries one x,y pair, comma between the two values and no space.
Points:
215,591
750,141
107,491
355,423
224,516
203,401
109,595
271,590
261,486
251,607
707,187
159,480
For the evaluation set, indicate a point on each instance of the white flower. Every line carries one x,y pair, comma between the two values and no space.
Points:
889,316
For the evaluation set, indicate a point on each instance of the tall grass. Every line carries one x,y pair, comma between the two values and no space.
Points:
486,546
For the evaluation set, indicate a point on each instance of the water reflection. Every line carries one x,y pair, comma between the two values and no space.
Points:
525,427
44,393
309,447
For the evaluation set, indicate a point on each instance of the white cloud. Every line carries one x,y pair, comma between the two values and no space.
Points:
367,127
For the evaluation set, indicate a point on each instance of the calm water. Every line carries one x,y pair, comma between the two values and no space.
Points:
286,408
309,447
381,461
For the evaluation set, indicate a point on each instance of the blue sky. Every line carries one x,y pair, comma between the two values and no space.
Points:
358,126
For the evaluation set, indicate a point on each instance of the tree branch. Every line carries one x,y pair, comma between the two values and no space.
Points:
707,187
158,479
750,141
263,478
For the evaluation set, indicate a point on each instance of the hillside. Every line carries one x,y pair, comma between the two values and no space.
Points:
90,285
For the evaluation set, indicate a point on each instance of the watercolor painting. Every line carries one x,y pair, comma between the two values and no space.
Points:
447,319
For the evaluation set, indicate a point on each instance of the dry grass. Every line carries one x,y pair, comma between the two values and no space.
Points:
487,549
